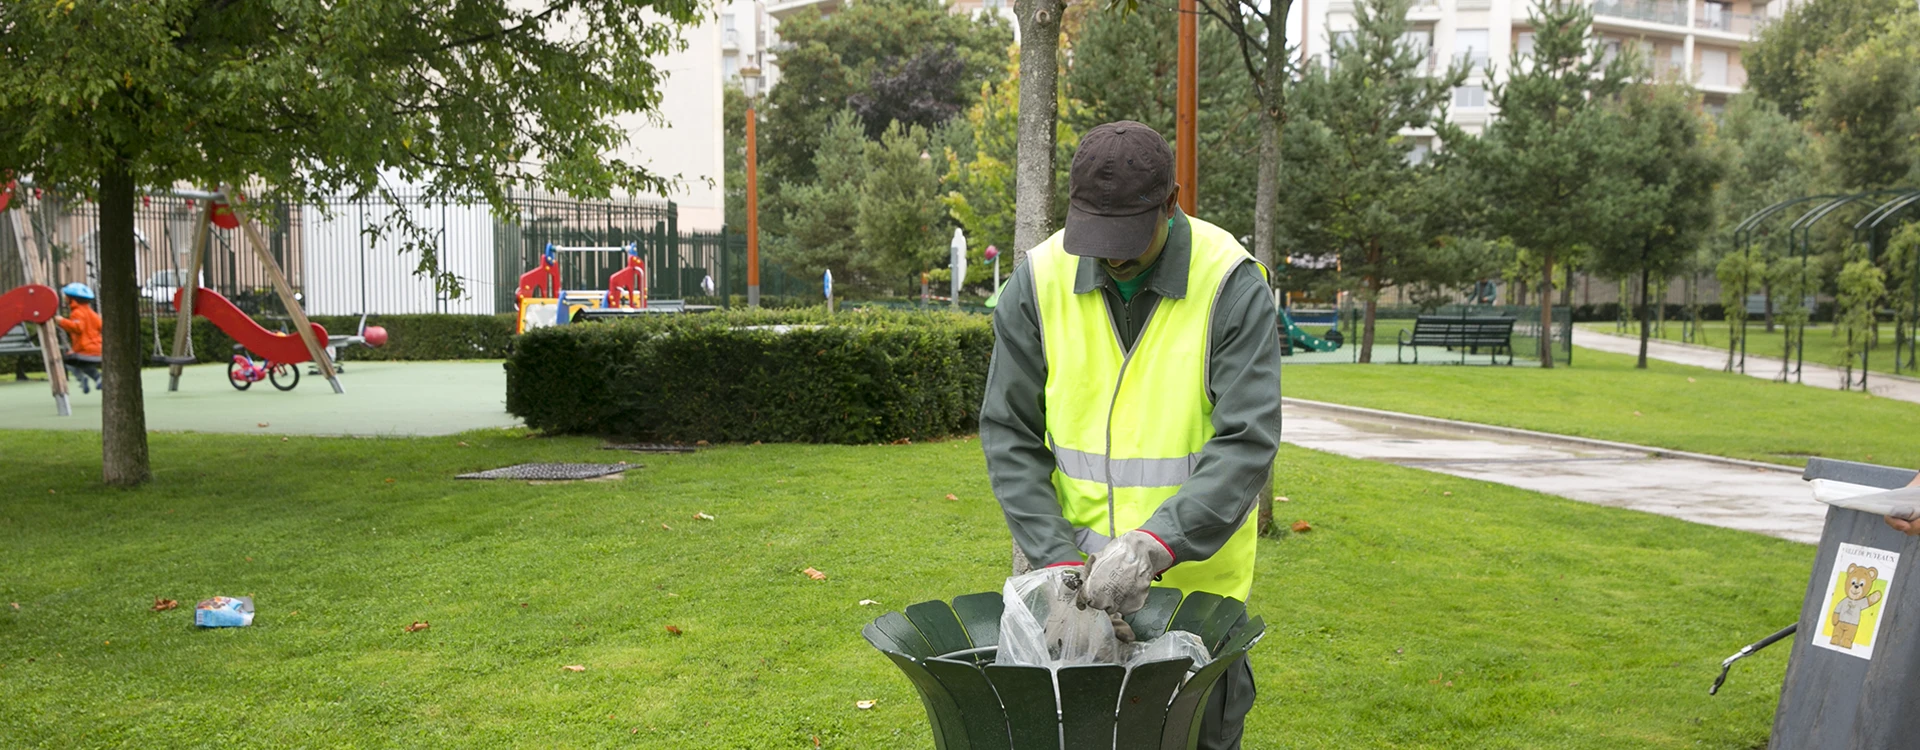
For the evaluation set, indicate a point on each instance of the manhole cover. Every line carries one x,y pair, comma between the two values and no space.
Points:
649,447
551,471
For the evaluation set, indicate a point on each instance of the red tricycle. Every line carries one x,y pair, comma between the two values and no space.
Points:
243,372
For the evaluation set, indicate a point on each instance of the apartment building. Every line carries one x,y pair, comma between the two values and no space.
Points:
1692,40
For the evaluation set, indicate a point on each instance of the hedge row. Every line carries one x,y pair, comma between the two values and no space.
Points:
742,376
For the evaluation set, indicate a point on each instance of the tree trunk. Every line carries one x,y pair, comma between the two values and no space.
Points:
1266,194
1366,320
1646,317
1039,87
123,418
1546,310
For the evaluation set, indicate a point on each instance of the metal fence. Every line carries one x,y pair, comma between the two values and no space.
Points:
68,228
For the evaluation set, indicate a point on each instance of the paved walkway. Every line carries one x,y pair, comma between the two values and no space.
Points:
1818,376
1734,495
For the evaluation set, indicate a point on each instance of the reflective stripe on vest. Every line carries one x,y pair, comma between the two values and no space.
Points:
1126,427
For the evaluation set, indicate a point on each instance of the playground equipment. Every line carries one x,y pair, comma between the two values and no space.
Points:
542,302
33,303
243,372
309,342
1298,337
36,280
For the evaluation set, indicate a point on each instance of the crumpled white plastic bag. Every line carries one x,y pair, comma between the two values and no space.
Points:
1042,625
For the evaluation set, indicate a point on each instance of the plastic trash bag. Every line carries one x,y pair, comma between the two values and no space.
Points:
1042,625
1172,644
224,612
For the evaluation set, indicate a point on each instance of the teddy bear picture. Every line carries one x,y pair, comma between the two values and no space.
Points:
1857,589
1859,596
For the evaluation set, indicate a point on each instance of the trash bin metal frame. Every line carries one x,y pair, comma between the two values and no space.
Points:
946,650
1833,701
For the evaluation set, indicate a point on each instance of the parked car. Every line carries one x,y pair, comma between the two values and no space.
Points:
159,288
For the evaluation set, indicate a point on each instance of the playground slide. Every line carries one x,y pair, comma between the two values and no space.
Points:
277,347
1305,340
32,303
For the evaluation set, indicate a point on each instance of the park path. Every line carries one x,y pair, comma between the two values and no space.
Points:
1767,368
1747,496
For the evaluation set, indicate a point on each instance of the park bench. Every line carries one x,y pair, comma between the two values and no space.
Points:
1465,334
18,341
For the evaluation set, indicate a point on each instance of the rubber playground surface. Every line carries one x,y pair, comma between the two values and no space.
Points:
382,398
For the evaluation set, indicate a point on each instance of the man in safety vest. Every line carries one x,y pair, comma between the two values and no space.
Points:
1133,405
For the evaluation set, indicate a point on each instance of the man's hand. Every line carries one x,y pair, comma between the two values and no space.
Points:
1118,576
1910,527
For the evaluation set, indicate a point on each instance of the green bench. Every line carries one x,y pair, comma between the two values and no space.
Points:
1495,334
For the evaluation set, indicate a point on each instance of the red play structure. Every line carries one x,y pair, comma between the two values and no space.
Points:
33,303
279,347
627,287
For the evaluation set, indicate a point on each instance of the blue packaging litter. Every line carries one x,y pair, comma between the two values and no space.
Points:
224,612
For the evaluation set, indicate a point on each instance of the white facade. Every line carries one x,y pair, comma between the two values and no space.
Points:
1693,40
684,142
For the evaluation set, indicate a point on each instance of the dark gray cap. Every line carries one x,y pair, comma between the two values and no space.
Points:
1122,175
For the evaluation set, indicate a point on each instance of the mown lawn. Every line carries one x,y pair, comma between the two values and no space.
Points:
1824,345
1422,611
1667,405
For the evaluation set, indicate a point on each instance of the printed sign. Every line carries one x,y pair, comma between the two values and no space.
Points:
1856,598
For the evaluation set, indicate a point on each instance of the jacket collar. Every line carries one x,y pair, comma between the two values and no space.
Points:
1169,277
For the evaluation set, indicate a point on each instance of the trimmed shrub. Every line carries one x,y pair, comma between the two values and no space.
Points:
409,337
742,376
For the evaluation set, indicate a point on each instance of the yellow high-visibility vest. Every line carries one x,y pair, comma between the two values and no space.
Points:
1126,427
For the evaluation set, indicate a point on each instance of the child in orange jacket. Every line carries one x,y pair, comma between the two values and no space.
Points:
82,325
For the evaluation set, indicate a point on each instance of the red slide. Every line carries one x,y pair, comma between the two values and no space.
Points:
32,303
278,347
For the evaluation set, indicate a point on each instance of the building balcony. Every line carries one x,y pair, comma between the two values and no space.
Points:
730,39
1739,24
1666,12
1427,11
784,9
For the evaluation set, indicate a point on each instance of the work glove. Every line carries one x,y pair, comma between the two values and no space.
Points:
1118,576
1121,630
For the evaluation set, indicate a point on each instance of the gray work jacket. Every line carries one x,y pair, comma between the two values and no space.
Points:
1244,384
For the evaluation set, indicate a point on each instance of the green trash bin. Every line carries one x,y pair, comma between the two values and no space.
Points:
947,651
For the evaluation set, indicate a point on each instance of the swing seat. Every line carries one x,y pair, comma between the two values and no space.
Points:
85,359
162,359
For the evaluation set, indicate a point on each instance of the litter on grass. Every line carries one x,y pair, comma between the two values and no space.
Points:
224,612
551,471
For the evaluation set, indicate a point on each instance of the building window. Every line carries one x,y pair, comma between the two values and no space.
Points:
1716,16
1713,67
1524,43
1340,43
1422,148
993,4
730,67
1470,47
1611,52
1470,97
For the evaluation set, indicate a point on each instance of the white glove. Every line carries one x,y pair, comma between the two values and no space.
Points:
1117,577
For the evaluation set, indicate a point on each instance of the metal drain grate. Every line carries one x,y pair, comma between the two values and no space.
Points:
551,472
649,447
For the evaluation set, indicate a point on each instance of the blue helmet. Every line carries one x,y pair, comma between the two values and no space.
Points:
77,290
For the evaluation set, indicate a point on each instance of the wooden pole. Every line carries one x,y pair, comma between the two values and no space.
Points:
183,330
753,213
49,341
1186,157
300,323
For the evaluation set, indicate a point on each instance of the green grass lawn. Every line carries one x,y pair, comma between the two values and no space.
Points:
1422,611
1666,405
1823,346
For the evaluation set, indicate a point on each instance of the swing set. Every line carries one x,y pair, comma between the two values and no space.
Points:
36,303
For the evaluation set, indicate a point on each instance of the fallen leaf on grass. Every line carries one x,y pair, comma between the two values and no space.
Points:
575,668
389,480
283,440
702,516
418,626
867,602
664,526
864,705
1281,499
159,604
815,574
1690,380
1302,527
463,443
1446,494
674,629
701,443
903,441
951,497
1637,414
16,605
263,424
